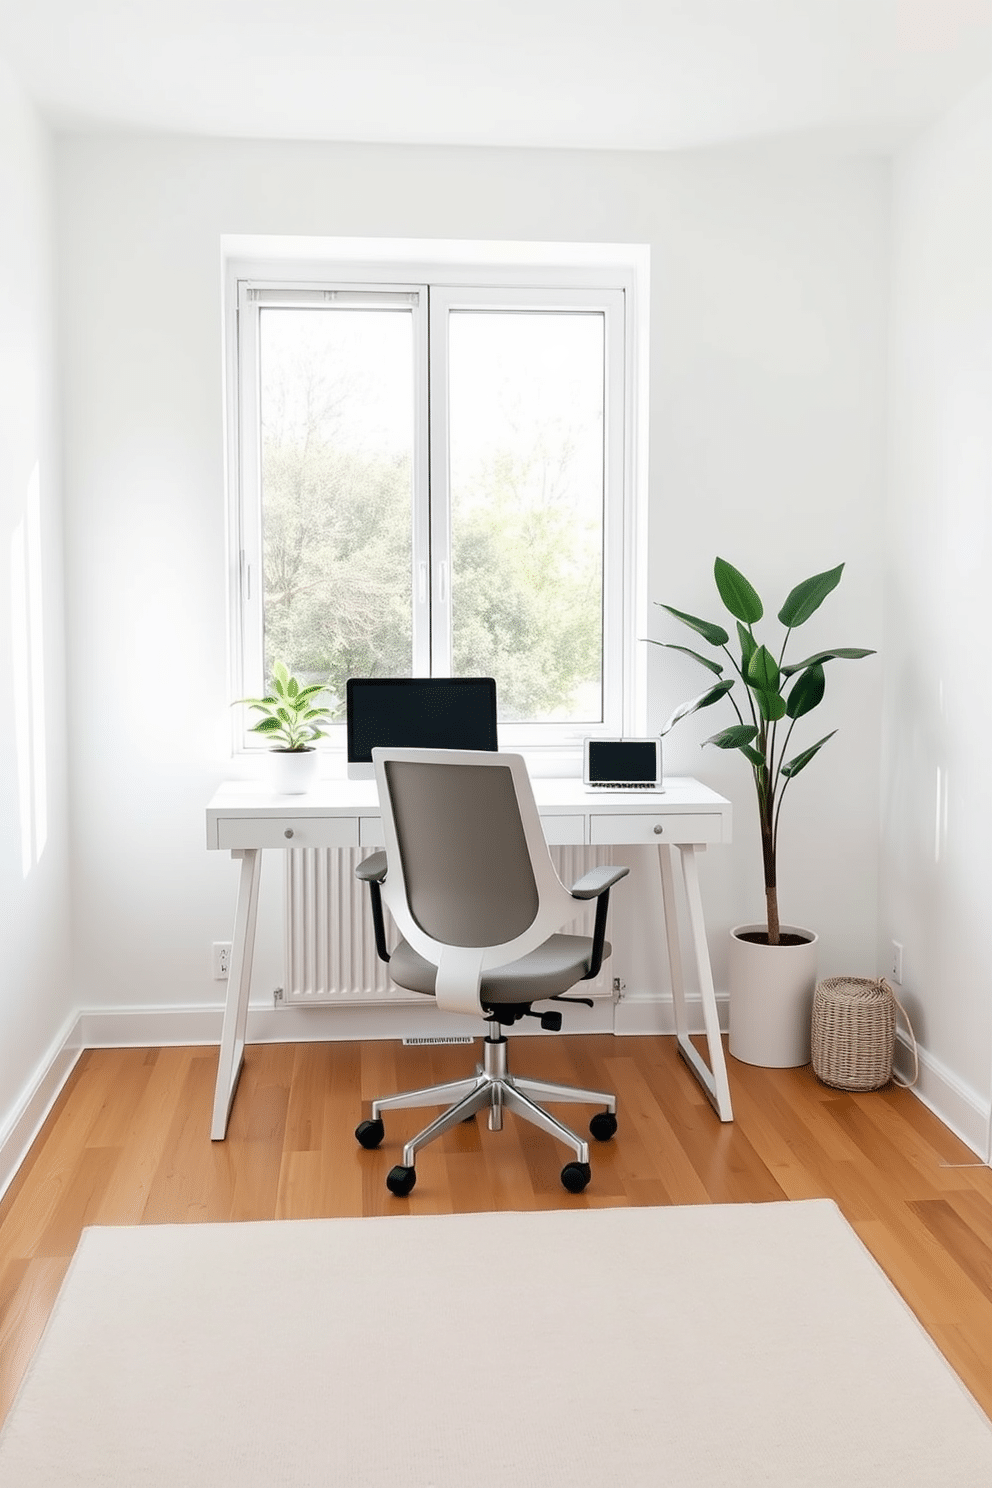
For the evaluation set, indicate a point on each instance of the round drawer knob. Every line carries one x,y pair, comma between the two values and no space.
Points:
288,832
658,830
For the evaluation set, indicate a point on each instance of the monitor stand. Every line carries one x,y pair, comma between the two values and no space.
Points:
360,771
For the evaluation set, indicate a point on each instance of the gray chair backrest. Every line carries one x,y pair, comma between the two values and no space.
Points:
466,866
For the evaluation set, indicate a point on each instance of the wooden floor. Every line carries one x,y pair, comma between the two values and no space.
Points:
128,1144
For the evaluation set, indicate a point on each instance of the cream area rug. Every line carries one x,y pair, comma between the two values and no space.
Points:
711,1347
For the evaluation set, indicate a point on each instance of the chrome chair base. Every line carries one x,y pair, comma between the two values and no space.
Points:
495,1089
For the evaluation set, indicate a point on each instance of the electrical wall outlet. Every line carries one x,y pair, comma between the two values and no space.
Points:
895,963
222,960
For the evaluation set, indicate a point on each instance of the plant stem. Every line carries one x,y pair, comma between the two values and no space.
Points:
766,818
771,887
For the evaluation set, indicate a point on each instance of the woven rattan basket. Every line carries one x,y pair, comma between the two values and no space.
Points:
854,1033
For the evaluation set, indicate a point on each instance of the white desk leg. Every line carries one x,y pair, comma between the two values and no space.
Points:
232,1038
673,940
712,1077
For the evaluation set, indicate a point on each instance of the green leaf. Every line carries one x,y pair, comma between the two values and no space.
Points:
843,653
807,597
754,755
807,691
762,671
734,737
800,761
280,673
706,661
254,702
715,693
715,634
704,700
771,705
266,726
739,596
292,687
748,646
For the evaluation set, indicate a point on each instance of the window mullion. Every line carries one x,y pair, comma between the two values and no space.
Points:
422,460
440,502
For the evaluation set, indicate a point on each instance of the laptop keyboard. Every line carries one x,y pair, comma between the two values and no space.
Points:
624,784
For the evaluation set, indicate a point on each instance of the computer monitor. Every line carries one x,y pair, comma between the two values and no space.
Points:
417,713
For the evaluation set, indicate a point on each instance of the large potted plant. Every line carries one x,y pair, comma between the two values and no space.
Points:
291,724
772,966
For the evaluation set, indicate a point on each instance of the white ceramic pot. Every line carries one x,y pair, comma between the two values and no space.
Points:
291,772
771,998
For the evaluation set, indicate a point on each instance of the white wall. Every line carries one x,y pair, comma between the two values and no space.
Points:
768,293
937,785
37,993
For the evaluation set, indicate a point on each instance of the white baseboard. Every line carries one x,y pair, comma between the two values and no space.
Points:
143,1027
644,1015
40,1094
125,1028
957,1105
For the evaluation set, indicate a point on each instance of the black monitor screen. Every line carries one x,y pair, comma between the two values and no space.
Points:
419,713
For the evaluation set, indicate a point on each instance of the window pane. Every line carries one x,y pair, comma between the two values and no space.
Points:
336,408
526,470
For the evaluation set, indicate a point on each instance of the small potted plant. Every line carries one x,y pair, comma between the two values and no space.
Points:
772,966
290,722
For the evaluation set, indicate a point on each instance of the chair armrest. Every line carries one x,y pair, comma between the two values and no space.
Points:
372,869
596,884
596,881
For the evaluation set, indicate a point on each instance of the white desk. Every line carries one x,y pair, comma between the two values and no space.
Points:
243,818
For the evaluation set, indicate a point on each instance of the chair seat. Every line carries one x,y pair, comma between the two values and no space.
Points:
553,968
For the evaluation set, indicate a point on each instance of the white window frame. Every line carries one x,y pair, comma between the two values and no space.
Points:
610,289
252,294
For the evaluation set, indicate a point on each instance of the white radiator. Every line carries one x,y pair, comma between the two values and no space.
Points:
329,946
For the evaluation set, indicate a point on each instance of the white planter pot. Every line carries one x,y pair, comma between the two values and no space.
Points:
771,998
291,772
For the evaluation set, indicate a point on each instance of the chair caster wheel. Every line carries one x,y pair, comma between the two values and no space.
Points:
575,1176
370,1133
400,1180
603,1126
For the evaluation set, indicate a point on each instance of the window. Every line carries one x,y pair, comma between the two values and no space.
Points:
431,478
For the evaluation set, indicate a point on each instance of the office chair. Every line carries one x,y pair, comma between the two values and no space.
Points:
469,882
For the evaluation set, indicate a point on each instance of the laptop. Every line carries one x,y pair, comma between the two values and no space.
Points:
621,764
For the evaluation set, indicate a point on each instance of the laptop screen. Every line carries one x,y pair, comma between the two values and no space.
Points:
625,761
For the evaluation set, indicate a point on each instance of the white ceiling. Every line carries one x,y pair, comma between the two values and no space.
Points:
625,74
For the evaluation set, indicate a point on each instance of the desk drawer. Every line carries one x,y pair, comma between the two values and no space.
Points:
658,827
288,831
564,831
